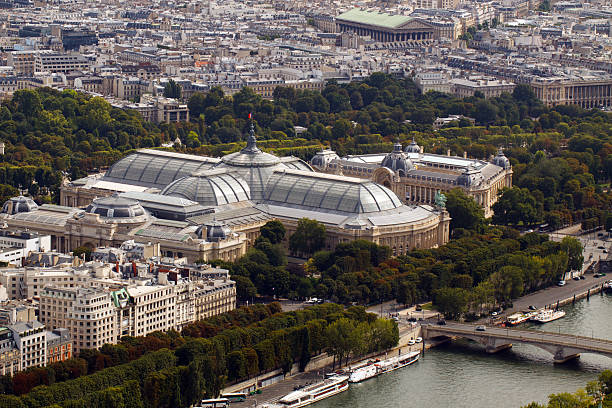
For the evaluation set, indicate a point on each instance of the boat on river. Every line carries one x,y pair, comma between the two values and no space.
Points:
549,315
518,318
607,286
312,393
377,367
394,363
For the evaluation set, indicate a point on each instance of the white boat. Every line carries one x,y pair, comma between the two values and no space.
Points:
549,315
518,318
363,372
393,363
312,393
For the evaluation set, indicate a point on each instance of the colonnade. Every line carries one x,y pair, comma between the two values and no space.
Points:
421,194
387,36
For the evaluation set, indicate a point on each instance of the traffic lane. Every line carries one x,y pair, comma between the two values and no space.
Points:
553,294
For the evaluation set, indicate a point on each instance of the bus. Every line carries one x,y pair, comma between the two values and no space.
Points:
214,403
234,396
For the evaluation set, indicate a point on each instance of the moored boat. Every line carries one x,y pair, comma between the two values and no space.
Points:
520,317
363,372
549,315
393,363
312,393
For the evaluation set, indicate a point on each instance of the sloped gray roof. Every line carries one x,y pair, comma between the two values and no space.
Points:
156,168
210,188
307,190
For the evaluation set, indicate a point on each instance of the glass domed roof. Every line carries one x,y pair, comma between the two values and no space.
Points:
115,207
253,165
19,205
329,193
210,188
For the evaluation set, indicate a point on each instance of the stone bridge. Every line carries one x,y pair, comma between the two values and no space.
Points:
563,347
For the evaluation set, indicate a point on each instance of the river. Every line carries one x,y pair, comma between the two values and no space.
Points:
462,375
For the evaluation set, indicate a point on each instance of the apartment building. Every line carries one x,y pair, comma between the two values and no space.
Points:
59,345
31,341
152,308
15,246
27,283
437,81
50,61
88,313
22,62
14,311
10,359
487,86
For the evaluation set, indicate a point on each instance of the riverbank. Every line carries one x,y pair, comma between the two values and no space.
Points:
274,385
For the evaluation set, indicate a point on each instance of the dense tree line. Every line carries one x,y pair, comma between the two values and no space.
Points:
130,348
177,370
482,267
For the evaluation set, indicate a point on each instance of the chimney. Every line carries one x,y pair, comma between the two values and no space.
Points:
448,152
465,154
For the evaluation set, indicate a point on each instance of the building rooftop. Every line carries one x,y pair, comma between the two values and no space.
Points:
371,18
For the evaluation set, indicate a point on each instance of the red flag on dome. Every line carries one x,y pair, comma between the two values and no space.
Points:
250,114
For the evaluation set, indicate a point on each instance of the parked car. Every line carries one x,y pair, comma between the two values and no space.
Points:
532,307
480,328
576,278
419,339
411,342
581,277
418,308
561,283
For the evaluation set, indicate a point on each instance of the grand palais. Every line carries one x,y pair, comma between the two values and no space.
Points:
212,208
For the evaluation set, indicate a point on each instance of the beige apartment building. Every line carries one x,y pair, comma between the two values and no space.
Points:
23,62
88,314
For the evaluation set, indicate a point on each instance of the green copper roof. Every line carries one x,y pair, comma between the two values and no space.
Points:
376,19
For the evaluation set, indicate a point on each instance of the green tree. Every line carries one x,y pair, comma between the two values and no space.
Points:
452,302
574,250
517,205
463,210
308,237
274,231
172,90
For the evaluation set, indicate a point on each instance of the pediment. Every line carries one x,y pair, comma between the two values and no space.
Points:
415,24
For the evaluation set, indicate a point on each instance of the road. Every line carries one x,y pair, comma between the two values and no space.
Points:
551,295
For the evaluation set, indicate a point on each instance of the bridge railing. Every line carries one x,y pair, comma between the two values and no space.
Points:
515,334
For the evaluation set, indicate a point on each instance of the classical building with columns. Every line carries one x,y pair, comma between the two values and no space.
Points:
417,177
384,27
213,208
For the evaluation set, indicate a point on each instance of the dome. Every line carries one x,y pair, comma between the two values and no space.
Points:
117,208
252,165
501,160
213,231
413,147
19,205
470,177
328,193
210,188
323,158
397,160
